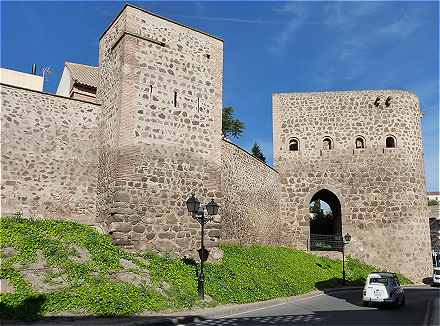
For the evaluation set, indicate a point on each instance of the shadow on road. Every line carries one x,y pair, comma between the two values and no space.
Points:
108,321
427,281
342,317
333,287
412,314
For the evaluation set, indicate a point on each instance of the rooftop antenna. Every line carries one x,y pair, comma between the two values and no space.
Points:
46,71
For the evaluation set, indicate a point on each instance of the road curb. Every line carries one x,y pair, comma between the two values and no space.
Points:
228,309
348,288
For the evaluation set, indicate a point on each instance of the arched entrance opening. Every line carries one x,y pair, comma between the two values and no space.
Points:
325,213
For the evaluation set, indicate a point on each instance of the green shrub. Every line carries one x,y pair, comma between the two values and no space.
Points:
246,274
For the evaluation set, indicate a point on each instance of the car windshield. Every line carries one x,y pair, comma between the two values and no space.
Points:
437,272
380,280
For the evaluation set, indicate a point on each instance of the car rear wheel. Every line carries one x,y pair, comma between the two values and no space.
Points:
402,301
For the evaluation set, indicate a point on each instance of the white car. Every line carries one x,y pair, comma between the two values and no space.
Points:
436,276
382,287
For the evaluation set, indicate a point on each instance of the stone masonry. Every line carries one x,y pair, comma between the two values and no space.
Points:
381,190
160,130
129,162
251,195
49,155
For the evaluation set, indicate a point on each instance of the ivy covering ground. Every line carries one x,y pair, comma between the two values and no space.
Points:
246,274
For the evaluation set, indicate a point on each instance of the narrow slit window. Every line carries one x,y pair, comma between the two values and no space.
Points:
198,102
175,99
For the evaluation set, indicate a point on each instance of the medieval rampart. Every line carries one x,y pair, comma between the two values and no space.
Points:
130,163
250,198
49,155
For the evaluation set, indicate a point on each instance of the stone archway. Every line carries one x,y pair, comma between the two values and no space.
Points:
325,213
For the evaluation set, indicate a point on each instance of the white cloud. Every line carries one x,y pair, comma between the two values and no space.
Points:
346,14
233,20
297,16
402,27
352,46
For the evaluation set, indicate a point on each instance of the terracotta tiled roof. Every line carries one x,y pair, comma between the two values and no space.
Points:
83,74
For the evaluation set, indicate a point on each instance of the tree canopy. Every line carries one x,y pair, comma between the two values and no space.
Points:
231,126
256,151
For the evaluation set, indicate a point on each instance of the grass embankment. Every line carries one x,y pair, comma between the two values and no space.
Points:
56,266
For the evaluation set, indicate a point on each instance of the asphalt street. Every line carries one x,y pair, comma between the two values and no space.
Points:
335,308
343,307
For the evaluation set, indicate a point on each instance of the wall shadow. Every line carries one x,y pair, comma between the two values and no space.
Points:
104,321
364,317
337,282
428,281
412,314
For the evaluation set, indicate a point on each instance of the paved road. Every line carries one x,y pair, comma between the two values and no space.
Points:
331,308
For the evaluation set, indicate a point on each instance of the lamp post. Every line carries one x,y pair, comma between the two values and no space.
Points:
345,240
198,213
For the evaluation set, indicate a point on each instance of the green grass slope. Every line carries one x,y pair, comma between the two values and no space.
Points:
58,266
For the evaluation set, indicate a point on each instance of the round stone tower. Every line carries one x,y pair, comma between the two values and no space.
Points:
360,152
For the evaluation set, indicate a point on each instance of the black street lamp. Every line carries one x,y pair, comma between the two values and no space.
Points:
346,240
198,213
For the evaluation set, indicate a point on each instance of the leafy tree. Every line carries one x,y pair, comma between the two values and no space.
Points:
256,151
432,202
315,208
231,126
320,222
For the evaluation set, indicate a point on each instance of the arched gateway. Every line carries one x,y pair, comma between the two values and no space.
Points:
325,213
372,180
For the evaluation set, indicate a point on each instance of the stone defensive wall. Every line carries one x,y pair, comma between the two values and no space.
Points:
378,191
251,193
129,163
49,155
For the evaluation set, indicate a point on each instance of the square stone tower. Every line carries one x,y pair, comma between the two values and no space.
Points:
160,130
362,153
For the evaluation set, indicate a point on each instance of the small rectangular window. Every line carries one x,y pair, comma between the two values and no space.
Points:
175,99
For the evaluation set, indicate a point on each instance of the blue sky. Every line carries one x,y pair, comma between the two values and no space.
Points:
269,47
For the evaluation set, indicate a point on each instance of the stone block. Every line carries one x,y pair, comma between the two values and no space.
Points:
215,255
121,241
121,196
165,245
214,233
120,227
139,228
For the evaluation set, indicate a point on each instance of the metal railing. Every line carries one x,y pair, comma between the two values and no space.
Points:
326,242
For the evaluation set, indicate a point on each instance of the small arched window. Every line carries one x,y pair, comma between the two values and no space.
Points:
360,142
294,145
327,143
390,142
